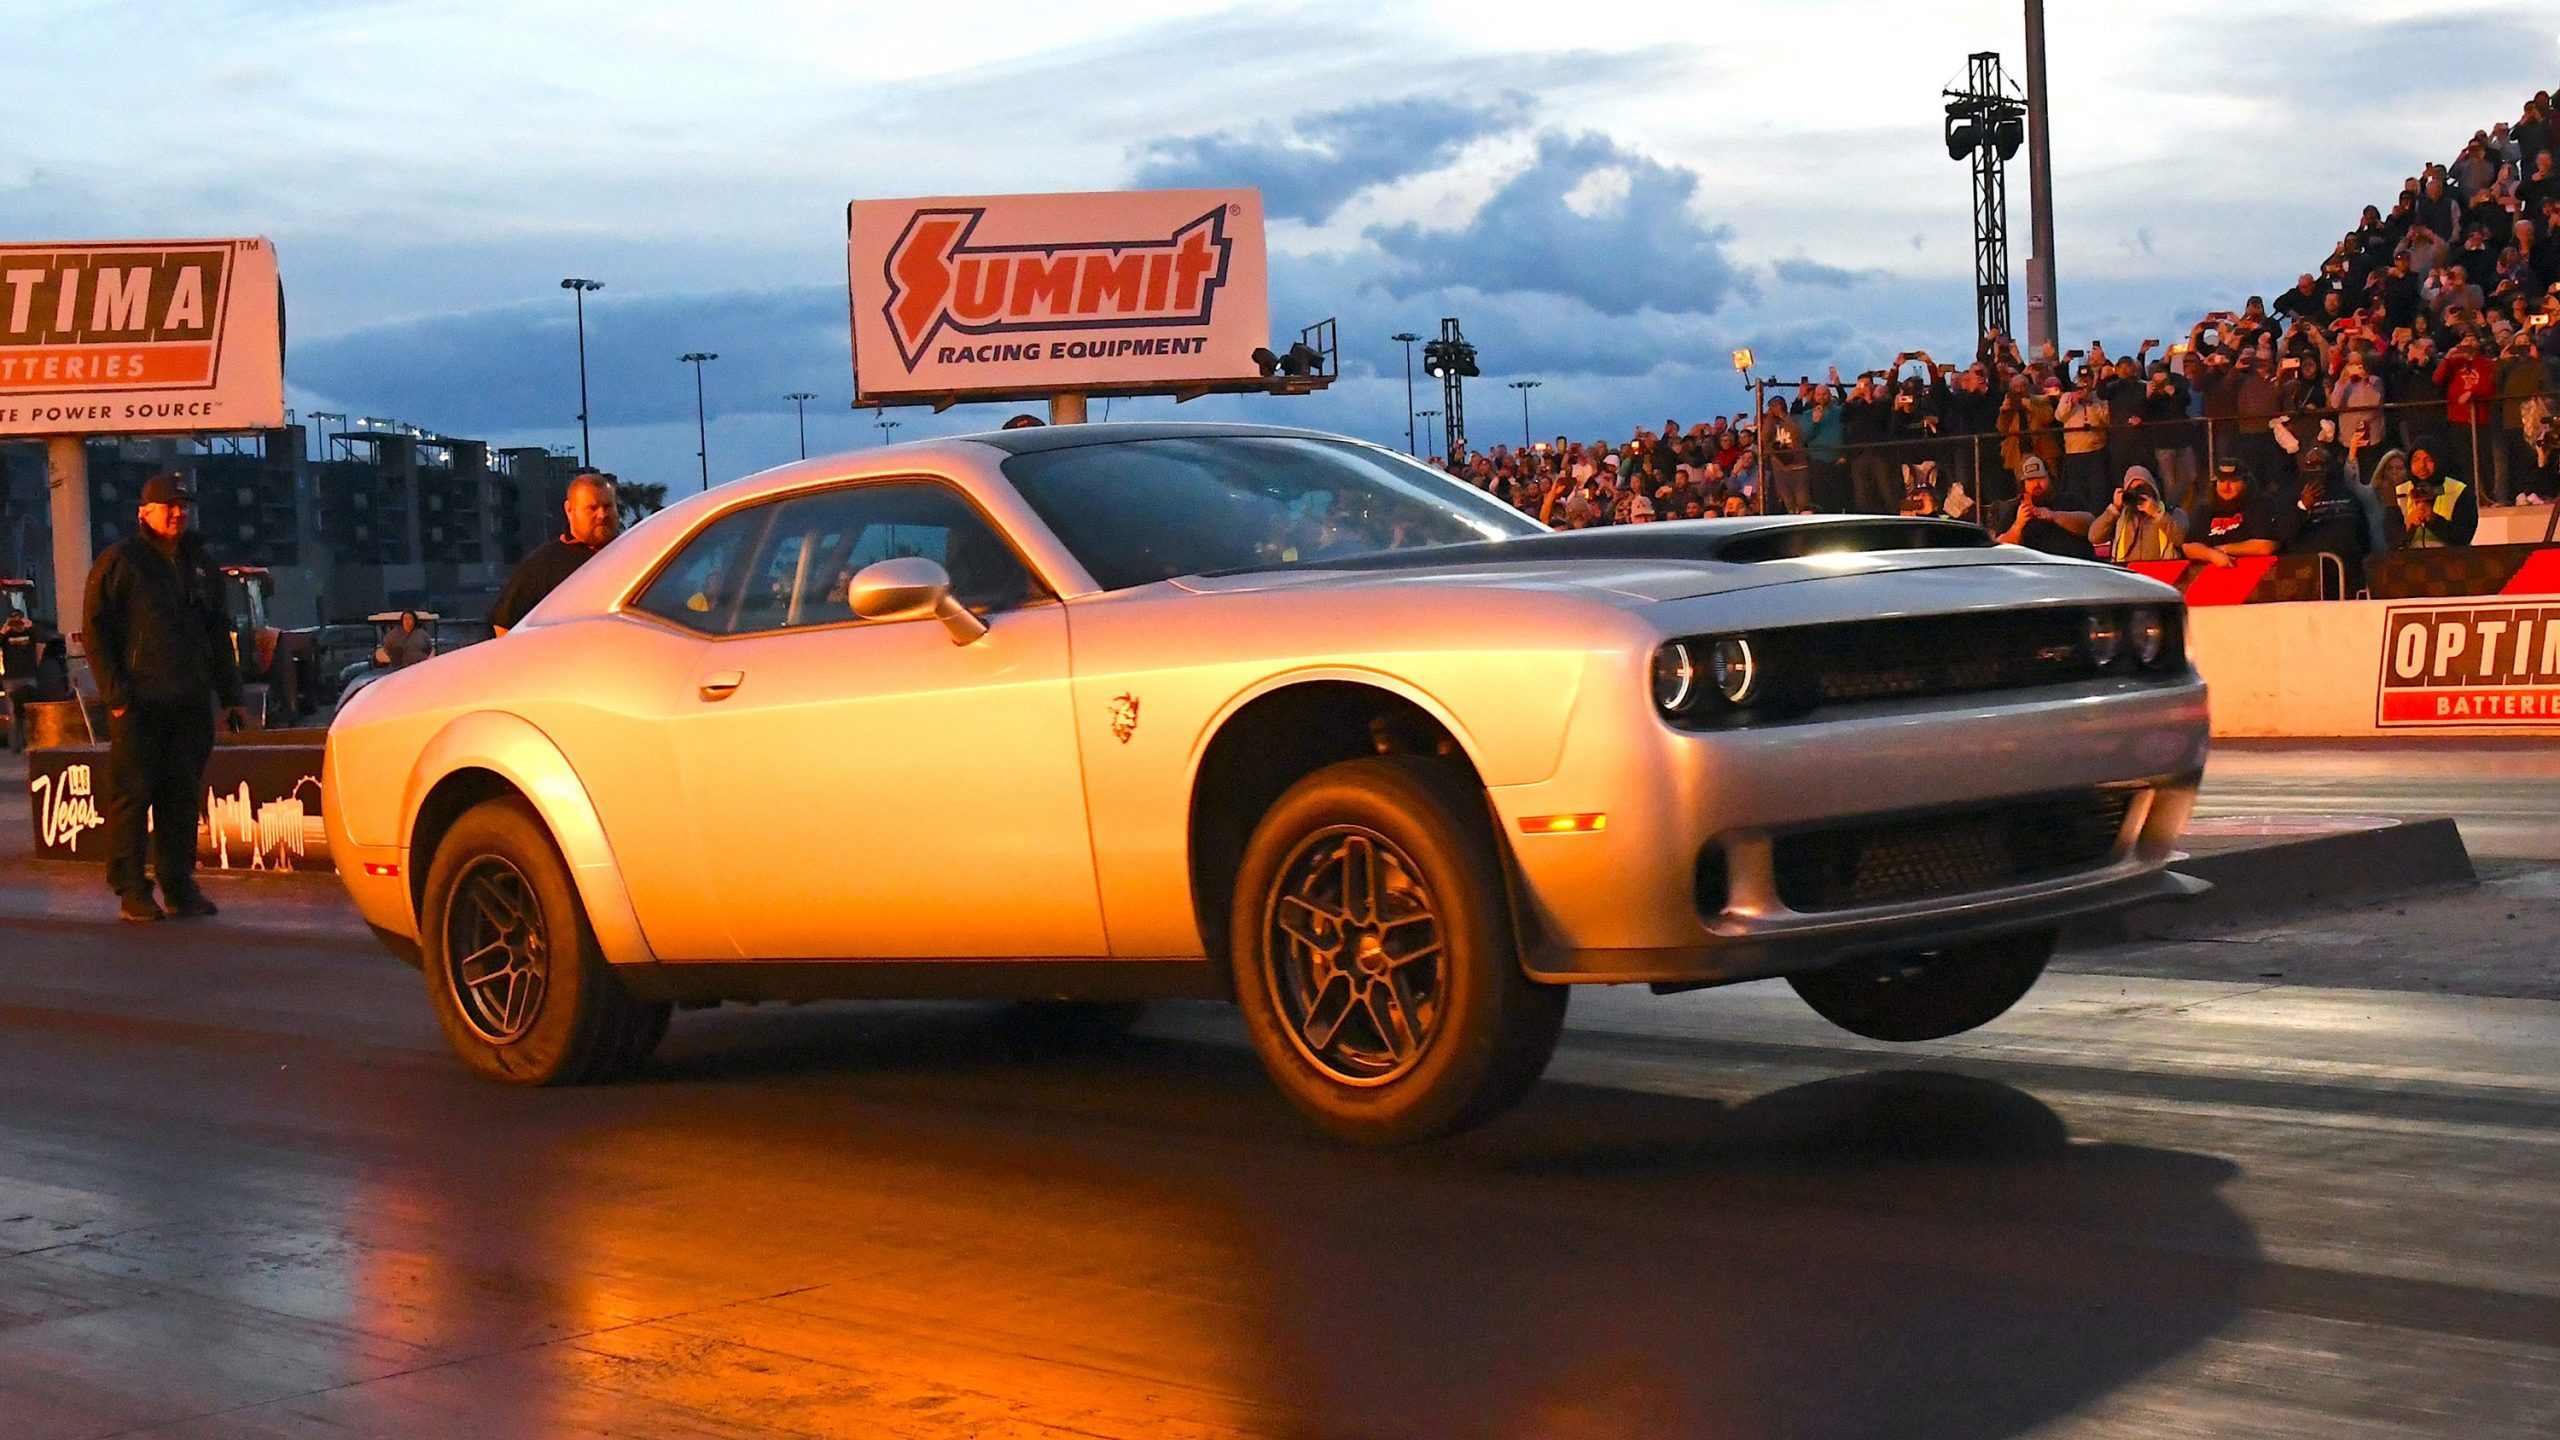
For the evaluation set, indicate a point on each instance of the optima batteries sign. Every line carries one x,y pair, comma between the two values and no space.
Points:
2485,665
1018,296
140,337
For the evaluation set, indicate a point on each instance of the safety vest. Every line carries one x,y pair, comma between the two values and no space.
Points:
2444,506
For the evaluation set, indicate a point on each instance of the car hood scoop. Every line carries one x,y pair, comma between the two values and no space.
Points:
1654,562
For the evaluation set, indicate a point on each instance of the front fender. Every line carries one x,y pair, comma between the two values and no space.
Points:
514,750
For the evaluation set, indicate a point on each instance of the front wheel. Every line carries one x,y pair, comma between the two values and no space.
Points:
1930,994
1374,958
520,987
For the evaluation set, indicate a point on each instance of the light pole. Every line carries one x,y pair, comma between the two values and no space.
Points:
701,425
1408,337
579,288
1524,387
800,401
1429,415
885,426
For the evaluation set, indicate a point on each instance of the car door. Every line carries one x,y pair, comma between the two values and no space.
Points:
872,789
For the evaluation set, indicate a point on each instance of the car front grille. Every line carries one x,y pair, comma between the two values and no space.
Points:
1933,655
1919,858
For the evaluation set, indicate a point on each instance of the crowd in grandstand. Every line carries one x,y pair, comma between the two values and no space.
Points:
2369,407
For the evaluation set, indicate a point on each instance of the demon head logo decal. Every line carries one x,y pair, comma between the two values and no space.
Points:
1124,716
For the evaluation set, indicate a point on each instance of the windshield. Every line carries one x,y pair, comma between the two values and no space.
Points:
1138,511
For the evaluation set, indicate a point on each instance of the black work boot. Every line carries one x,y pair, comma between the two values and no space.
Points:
138,908
186,902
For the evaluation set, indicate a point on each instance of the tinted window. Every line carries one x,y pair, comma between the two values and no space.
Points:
787,565
1144,510
699,589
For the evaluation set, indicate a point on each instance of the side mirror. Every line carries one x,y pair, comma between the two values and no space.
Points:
911,588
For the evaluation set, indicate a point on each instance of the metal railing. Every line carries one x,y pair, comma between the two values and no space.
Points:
2490,452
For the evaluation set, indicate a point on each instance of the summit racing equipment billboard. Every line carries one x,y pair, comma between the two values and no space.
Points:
140,337
1023,296
2471,665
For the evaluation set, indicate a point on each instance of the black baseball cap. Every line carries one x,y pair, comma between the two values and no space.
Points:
2229,470
169,488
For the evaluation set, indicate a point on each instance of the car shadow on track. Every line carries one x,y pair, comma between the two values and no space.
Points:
1897,1253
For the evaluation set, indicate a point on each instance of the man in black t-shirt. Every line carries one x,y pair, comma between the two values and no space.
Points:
2232,522
594,518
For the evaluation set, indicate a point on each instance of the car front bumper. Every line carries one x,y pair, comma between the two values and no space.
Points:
1625,903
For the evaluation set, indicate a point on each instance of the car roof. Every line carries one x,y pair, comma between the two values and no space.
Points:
1039,439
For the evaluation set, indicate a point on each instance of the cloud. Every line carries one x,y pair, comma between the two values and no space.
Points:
1308,167
1797,270
516,366
1637,249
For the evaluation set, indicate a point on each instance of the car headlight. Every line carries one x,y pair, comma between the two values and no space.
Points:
2102,636
1675,678
2150,636
1734,670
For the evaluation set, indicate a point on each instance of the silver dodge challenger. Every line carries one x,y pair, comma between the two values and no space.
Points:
1078,717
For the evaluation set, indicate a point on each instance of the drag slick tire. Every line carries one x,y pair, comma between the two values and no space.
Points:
519,984
1374,960
1928,994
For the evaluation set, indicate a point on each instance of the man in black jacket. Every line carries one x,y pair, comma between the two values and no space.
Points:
160,643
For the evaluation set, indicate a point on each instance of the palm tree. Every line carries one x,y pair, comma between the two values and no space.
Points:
639,501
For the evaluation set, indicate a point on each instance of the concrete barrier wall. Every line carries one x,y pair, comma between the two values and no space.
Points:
2319,669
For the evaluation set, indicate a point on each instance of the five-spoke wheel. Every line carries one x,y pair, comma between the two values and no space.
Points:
1356,955
494,945
1373,955
520,986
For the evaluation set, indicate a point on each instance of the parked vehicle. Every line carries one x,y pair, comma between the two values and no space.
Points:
1091,714
287,662
34,663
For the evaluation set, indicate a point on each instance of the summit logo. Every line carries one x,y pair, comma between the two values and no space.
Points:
940,283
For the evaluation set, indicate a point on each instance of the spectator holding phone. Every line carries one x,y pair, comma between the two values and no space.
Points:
2034,521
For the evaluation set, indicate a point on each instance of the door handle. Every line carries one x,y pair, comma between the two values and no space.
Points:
722,685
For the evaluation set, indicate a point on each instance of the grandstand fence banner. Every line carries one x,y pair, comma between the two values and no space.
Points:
139,337
984,297
261,804
2475,665
2435,572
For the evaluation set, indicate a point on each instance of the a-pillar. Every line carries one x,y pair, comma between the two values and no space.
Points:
67,475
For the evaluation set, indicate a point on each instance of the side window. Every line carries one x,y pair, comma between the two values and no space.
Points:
701,587
803,566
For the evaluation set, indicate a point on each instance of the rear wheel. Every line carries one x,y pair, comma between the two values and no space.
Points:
1928,994
1374,958
520,987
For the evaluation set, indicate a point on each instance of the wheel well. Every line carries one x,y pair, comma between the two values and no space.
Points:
452,797
1271,744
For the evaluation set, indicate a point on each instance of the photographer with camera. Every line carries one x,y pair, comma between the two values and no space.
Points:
2138,524
2427,507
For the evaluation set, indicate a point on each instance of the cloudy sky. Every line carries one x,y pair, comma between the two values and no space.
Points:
1611,196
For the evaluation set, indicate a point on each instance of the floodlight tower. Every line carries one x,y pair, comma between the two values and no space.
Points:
1453,362
1986,122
